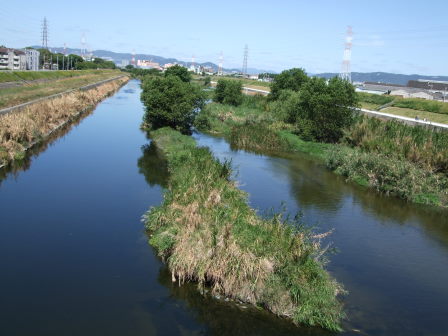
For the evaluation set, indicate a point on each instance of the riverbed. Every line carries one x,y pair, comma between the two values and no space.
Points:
75,259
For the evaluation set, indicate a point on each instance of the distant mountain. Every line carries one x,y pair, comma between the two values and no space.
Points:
384,77
118,57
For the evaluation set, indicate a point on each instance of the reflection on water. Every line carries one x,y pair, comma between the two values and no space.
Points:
393,254
153,166
15,167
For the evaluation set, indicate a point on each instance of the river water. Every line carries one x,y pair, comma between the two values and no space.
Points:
74,257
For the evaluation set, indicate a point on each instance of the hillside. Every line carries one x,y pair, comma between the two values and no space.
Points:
384,77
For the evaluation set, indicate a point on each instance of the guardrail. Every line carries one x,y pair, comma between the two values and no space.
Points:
83,88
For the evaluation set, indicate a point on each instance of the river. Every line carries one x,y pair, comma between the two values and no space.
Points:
74,257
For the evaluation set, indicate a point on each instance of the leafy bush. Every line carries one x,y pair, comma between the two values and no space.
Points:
291,79
328,108
179,71
228,92
170,102
286,107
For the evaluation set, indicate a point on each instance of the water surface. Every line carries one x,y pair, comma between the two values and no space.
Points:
74,257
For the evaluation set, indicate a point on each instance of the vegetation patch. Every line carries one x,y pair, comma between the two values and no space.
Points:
423,105
206,232
421,146
390,176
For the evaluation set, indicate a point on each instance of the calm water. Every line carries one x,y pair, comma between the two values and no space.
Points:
74,257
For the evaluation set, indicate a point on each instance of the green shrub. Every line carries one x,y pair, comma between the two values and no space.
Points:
179,71
286,107
291,79
170,102
326,107
228,92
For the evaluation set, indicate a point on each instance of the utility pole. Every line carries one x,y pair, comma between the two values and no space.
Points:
345,73
45,34
246,53
220,72
63,62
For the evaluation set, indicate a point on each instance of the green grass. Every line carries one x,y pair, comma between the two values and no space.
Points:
422,105
374,98
420,146
245,82
390,176
18,76
369,106
410,113
22,94
206,232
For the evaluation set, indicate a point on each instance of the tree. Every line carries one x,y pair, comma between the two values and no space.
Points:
129,67
171,102
291,79
228,92
325,109
179,71
207,81
286,106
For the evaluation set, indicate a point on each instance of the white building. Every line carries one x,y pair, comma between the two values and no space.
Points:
12,59
32,59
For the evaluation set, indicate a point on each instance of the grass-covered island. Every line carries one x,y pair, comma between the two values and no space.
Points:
206,232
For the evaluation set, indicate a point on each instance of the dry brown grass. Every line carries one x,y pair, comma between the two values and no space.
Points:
20,130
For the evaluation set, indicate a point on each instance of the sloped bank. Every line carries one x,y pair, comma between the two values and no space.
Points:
206,232
21,129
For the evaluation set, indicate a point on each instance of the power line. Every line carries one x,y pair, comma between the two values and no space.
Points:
345,73
246,52
45,34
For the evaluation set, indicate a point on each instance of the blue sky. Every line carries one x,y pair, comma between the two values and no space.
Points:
393,36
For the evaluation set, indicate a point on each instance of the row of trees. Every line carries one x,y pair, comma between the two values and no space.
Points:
319,109
72,61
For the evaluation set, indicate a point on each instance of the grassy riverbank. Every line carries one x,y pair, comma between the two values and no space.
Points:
20,130
435,111
25,76
396,159
206,232
17,95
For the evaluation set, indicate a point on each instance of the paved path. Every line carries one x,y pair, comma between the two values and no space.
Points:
408,120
